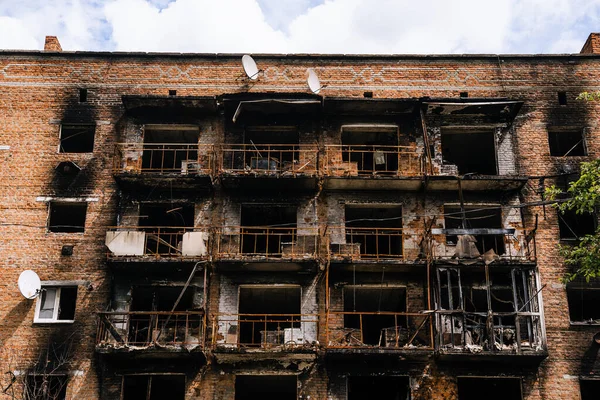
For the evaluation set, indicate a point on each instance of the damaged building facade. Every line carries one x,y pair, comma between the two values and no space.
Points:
200,234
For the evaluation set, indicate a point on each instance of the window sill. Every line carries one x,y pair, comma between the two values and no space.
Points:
43,321
581,323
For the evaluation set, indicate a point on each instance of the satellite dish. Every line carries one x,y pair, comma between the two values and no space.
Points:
250,67
313,81
29,284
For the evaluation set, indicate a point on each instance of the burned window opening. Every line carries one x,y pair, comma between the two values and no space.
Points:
67,217
562,98
162,298
498,313
476,217
266,228
385,387
491,388
589,388
566,143
376,230
153,387
471,152
46,387
268,148
268,314
363,304
170,148
371,151
83,95
266,387
77,138
572,226
56,304
464,94
583,299
164,225
172,92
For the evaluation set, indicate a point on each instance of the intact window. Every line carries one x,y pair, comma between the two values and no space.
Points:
68,217
77,138
56,304
583,299
46,387
566,143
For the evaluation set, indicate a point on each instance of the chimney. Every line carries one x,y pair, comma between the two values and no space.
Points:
52,44
592,44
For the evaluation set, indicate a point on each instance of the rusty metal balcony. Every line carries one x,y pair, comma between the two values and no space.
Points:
238,162
181,165
286,247
154,243
484,245
379,332
150,331
372,167
264,332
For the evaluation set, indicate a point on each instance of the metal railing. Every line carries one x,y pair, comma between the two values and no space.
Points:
367,243
148,328
496,332
278,159
356,160
517,247
385,330
164,158
157,241
264,331
267,242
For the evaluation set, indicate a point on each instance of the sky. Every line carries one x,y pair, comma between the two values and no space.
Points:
302,26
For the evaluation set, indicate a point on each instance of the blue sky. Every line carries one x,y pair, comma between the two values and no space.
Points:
302,26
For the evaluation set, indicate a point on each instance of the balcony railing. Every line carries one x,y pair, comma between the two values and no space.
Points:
519,246
164,158
369,160
269,159
264,331
157,241
363,243
496,332
381,330
266,242
149,328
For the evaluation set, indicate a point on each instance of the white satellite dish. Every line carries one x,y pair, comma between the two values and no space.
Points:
250,67
313,81
29,284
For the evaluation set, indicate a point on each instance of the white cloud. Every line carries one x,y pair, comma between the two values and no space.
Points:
314,26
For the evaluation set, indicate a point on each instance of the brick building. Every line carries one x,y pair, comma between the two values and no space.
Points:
202,234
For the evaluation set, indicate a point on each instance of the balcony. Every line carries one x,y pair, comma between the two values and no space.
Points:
249,165
264,333
267,248
157,244
176,165
369,167
480,335
379,333
150,332
368,248
506,246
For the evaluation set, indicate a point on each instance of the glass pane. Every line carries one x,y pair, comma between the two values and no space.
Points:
47,307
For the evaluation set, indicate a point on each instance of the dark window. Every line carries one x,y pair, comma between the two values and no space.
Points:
489,388
83,94
464,94
584,299
371,152
566,143
476,217
377,231
153,387
172,92
267,229
562,98
573,226
46,387
170,148
266,387
56,304
590,388
67,217
77,138
379,387
472,152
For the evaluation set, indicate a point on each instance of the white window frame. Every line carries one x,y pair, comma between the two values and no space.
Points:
54,319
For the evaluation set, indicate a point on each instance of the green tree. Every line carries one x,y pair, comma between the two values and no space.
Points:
582,196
